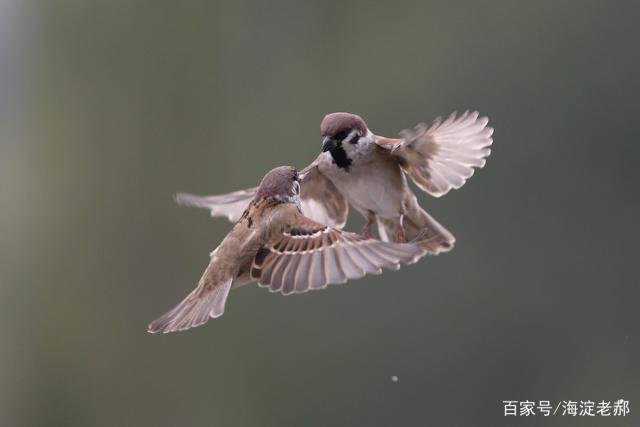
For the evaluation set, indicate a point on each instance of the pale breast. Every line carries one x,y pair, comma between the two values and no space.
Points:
376,184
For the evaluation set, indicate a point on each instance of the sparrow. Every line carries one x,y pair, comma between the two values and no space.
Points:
275,245
370,172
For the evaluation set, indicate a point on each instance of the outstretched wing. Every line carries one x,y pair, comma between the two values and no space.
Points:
442,156
231,205
310,255
320,199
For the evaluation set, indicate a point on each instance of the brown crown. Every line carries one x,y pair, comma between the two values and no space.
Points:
334,123
277,182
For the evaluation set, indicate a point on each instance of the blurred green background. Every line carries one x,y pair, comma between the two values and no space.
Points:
107,109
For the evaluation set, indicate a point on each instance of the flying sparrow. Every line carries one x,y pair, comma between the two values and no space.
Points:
370,172
274,244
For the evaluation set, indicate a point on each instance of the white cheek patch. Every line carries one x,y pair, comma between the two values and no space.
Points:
350,137
362,148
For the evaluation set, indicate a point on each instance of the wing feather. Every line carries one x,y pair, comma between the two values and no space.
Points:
230,205
277,281
302,274
442,156
321,200
289,275
350,268
309,256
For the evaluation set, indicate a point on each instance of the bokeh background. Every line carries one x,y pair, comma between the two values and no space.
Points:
107,109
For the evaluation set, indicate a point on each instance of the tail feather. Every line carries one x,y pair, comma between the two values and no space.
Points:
429,233
202,303
420,227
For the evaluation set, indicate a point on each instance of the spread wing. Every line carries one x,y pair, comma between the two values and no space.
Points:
442,156
231,205
310,255
320,199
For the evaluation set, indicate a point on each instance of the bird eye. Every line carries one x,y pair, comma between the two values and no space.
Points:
296,188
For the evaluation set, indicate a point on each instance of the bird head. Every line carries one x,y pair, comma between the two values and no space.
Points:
343,135
281,183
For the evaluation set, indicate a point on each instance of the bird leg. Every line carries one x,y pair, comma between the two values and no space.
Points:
366,230
401,236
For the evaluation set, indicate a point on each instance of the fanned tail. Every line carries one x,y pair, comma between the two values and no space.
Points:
420,227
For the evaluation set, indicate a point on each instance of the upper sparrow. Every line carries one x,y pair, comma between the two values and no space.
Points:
274,244
370,172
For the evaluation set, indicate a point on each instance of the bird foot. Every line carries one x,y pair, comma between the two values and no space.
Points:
401,236
366,232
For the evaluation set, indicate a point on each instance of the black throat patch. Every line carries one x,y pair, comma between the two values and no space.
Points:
340,157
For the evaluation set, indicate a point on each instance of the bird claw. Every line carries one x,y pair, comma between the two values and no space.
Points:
366,232
401,236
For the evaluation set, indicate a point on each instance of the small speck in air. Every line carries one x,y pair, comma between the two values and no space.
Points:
394,379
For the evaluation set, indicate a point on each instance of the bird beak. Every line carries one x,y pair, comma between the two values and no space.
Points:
327,143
